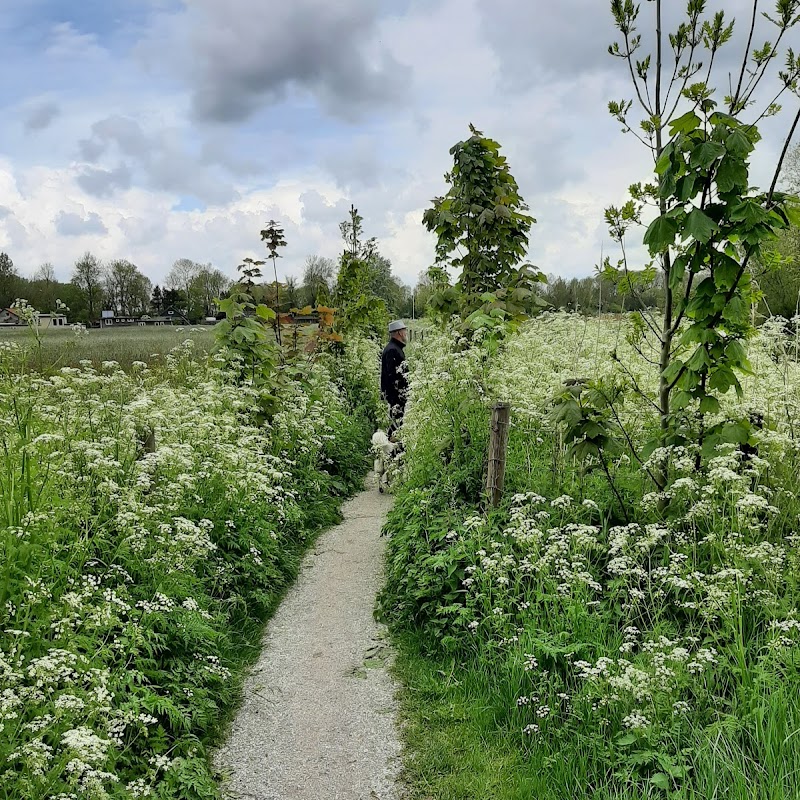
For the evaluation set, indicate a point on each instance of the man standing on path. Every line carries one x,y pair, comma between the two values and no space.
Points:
394,384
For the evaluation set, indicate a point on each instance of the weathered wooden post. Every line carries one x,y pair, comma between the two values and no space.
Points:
498,448
147,441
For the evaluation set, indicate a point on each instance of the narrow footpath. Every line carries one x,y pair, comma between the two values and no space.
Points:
318,718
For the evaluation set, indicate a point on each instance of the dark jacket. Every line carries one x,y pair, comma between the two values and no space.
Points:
394,384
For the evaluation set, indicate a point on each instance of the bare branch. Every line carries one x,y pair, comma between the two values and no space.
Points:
781,159
745,58
629,59
645,314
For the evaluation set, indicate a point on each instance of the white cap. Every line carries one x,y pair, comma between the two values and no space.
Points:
396,325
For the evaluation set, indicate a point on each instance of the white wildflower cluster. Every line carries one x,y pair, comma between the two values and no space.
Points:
150,488
657,674
664,579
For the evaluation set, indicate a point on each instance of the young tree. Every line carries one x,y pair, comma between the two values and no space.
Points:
709,223
180,278
127,290
352,230
482,233
174,300
318,278
157,300
292,292
45,273
273,238
6,266
207,287
10,281
244,333
44,291
384,285
87,277
358,308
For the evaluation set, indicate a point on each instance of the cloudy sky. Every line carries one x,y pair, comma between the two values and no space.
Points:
161,129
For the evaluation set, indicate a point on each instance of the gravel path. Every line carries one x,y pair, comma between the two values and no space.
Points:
318,716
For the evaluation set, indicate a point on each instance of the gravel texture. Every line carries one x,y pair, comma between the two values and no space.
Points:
318,718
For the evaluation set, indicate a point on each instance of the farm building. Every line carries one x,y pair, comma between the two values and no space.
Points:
10,318
52,320
109,319
171,317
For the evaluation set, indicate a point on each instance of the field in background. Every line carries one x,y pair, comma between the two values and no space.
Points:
65,348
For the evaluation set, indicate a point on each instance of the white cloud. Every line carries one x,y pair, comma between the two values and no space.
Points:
67,43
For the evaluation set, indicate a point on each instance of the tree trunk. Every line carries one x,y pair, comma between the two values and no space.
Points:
660,473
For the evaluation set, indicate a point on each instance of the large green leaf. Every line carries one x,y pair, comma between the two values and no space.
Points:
736,432
264,312
681,400
706,154
731,175
661,234
699,226
736,310
687,187
684,124
738,144
749,211
726,271
709,405
671,372
722,379
721,118
737,356
661,780
665,160
677,272
698,360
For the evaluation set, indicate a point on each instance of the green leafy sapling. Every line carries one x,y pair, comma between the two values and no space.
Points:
482,228
273,238
709,223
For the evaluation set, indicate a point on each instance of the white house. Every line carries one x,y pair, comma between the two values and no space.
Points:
52,320
11,318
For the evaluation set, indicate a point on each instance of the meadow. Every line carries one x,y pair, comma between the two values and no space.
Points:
593,637
64,347
151,517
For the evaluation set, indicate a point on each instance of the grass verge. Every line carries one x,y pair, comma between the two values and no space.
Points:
454,748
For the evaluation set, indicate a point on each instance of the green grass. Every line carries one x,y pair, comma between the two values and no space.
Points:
455,750
459,745
64,348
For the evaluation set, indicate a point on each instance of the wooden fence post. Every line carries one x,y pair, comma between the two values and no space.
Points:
498,448
147,441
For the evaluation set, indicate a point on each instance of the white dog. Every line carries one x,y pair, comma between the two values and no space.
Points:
384,450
